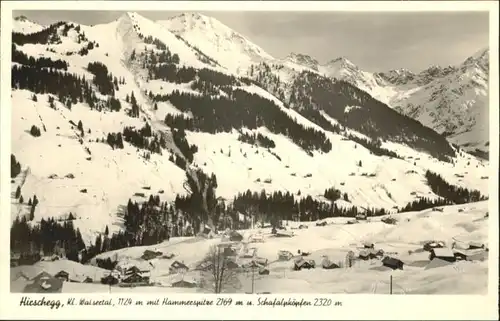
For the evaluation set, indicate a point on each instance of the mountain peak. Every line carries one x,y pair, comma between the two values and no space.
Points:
304,60
342,61
216,40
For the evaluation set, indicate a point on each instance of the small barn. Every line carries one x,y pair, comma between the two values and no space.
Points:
178,267
62,275
184,284
444,254
168,256
393,263
132,270
323,223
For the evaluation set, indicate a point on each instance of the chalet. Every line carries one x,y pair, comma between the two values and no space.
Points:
44,284
392,263
109,279
183,284
329,265
302,253
444,254
62,275
303,264
136,278
284,255
302,227
178,267
428,246
323,223
389,220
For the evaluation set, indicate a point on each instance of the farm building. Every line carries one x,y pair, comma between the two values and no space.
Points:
168,256
364,255
392,263
444,254
178,267
323,223
62,275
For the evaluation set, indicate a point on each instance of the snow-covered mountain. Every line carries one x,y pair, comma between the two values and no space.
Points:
24,25
452,100
136,109
216,40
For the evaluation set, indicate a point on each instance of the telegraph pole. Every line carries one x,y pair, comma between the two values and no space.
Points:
253,277
391,284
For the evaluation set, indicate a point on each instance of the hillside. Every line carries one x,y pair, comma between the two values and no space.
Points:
131,127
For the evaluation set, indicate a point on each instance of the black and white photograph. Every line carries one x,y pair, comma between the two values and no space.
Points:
249,152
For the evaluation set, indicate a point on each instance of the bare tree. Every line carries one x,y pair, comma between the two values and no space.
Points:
218,271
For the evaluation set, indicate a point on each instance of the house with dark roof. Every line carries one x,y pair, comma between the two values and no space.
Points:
284,255
475,245
393,263
136,278
263,271
132,270
444,254
329,265
368,245
42,275
364,255
149,255
109,279
183,284
235,236
178,267
230,264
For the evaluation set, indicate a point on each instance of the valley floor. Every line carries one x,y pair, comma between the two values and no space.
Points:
459,224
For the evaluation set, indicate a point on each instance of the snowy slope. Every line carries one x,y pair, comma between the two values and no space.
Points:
229,48
112,176
24,25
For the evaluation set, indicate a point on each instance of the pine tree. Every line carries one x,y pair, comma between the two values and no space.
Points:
106,232
80,126
21,200
18,192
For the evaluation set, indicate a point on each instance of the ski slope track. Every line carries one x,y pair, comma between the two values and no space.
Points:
110,177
